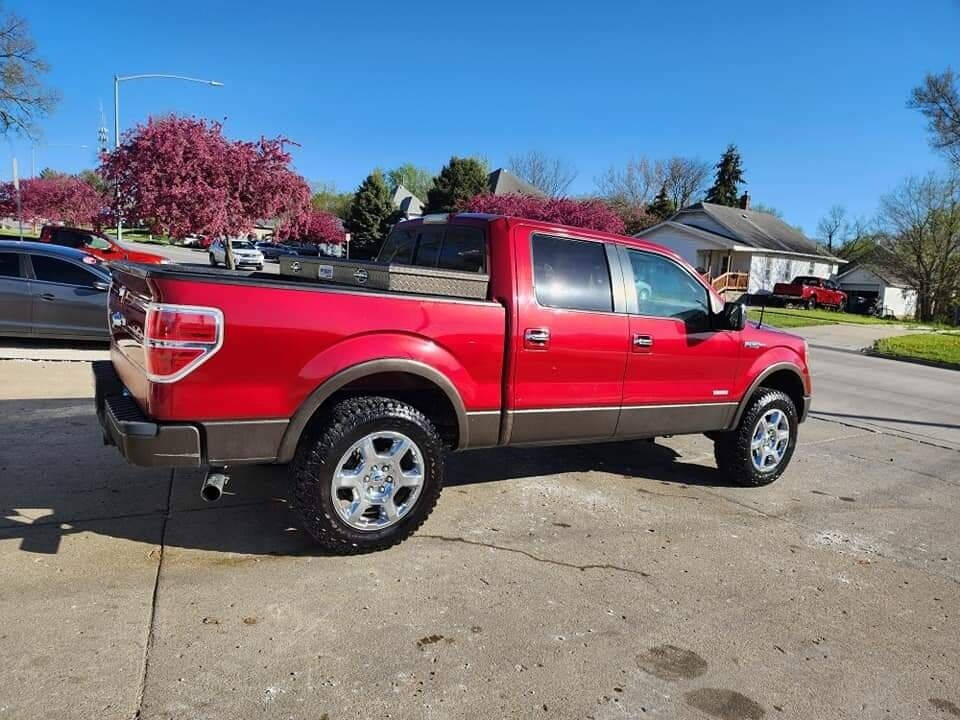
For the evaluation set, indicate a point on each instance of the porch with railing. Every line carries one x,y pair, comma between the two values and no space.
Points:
734,281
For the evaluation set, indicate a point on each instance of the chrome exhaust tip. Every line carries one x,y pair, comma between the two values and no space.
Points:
212,488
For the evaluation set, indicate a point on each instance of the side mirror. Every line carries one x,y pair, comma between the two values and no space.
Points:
101,285
734,317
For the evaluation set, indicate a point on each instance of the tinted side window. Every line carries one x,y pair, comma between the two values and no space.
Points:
9,265
49,269
665,290
69,238
464,249
571,274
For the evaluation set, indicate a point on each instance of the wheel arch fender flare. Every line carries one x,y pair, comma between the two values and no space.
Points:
758,381
358,371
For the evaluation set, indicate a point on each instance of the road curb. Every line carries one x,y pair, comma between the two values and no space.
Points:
914,361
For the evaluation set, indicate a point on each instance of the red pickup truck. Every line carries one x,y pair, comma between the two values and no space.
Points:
583,337
810,292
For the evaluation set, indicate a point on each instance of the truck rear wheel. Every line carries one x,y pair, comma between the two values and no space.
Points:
811,304
759,449
369,476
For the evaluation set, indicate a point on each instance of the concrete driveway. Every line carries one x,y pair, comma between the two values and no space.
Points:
604,581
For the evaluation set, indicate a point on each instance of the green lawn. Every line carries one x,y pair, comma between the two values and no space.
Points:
140,236
936,347
8,234
788,318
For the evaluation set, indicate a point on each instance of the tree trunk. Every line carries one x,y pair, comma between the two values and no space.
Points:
228,259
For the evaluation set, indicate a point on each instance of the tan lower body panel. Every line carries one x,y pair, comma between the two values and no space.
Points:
562,425
650,420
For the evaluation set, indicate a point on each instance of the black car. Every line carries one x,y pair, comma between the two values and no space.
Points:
49,291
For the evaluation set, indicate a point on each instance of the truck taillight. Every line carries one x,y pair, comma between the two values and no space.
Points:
177,339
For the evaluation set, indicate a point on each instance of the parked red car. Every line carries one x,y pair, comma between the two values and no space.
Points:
810,292
582,337
97,244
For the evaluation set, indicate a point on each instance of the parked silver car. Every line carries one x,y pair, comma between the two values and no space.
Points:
48,291
244,252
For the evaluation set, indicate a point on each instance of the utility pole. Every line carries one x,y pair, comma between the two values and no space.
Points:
16,187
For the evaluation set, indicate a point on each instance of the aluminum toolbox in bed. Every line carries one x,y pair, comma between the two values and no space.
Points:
388,276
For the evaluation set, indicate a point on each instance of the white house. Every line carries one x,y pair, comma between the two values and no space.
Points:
739,249
409,205
872,283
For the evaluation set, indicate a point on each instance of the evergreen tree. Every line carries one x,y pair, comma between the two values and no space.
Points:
460,180
729,176
662,205
369,218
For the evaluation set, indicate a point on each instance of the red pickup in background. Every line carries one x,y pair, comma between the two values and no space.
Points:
811,292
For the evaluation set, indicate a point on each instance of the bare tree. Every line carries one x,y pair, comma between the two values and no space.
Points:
634,185
23,97
939,100
833,227
859,243
920,222
685,179
551,175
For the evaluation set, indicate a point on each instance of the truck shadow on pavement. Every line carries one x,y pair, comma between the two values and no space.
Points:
57,479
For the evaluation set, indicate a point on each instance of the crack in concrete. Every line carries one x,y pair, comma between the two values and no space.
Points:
537,558
151,622
880,430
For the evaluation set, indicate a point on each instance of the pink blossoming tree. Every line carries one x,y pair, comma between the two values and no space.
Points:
313,225
62,199
180,175
592,214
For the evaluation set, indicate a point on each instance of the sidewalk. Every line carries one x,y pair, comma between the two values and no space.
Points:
849,337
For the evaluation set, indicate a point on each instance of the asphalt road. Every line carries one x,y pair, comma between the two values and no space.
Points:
602,581
911,400
189,255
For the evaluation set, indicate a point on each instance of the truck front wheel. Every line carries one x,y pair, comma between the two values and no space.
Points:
759,449
368,476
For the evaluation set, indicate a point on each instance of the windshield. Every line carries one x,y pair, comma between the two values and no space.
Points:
241,245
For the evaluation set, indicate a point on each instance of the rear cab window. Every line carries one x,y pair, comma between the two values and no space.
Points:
444,247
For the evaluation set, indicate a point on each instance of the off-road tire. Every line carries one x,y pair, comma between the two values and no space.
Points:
322,448
811,304
732,449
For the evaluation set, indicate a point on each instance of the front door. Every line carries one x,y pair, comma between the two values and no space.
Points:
66,301
570,346
680,372
14,296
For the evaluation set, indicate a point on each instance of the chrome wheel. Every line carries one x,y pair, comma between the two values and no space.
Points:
770,439
378,480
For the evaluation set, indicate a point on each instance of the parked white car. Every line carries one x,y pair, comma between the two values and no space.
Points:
245,254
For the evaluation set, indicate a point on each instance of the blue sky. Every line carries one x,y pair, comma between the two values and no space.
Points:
813,93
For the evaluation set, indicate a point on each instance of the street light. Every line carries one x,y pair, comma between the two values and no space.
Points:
117,79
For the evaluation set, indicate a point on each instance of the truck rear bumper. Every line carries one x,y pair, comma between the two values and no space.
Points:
140,440
143,441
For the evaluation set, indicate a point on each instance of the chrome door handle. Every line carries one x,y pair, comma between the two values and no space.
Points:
538,336
642,341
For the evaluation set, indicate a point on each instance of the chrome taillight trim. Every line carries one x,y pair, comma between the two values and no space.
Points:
210,349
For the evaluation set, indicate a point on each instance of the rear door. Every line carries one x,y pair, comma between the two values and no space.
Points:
66,300
15,300
680,371
570,343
